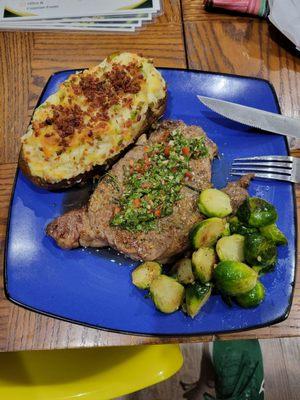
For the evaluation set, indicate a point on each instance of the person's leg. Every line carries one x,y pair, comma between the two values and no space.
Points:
239,372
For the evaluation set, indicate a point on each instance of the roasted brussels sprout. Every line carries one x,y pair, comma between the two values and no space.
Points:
274,234
231,248
196,296
252,298
234,278
262,269
214,203
145,273
259,250
203,261
226,231
237,227
256,212
207,232
183,272
166,293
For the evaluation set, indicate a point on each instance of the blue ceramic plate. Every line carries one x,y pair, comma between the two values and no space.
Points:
93,287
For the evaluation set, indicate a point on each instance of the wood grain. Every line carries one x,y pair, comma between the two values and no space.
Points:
243,46
21,329
15,74
28,59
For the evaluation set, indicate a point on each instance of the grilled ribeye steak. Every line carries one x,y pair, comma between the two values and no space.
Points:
147,203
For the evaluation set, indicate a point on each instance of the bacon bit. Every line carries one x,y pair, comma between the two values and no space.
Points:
131,170
188,175
157,213
127,102
49,121
174,169
67,120
101,125
167,151
128,124
125,78
185,151
111,151
131,162
136,203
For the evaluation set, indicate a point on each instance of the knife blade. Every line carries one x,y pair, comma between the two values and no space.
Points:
254,117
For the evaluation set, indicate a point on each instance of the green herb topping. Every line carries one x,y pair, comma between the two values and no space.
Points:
153,183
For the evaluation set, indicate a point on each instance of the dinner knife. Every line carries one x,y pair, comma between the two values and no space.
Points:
254,117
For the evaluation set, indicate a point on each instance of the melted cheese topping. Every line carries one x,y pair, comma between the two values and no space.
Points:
92,117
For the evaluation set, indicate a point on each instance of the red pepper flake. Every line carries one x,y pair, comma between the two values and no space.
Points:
136,203
131,162
165,136
146,160
117,210
188,175
145,185
157,213
146,148
185,151
167,151
138,168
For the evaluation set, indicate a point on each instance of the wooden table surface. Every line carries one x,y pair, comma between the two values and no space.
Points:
184,36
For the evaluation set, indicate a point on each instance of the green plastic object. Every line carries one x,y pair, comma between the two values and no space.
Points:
239,373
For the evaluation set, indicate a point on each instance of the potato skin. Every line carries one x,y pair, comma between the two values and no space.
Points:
151,117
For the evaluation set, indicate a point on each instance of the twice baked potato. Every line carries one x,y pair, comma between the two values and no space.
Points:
93,116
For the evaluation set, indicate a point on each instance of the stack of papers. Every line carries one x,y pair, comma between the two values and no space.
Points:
87,15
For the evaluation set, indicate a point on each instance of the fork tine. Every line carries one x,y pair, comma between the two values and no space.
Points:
267,176
257,163
263,169
267,158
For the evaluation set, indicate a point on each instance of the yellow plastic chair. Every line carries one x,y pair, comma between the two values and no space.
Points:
86,374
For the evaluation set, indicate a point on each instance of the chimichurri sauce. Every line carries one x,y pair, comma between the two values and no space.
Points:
153,183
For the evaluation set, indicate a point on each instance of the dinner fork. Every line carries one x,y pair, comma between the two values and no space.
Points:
282,168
